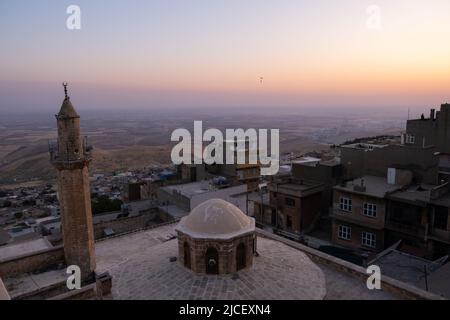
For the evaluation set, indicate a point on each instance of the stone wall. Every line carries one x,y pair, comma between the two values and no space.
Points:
225,248
39,260
127,224
98,290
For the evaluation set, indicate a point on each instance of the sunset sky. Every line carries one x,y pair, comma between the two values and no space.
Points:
186,53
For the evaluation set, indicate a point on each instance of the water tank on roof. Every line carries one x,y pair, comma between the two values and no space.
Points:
391,175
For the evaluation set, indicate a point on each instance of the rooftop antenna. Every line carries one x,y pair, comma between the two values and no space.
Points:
261,79
65,89
408,112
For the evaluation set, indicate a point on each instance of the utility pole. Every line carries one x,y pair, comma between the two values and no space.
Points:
246,202
426,276
262,204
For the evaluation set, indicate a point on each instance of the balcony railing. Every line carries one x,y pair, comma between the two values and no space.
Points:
441,234
57,156
417,230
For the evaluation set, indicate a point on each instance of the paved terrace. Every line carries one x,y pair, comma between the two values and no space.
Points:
140,266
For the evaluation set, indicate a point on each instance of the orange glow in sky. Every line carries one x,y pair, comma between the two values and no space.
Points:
222,48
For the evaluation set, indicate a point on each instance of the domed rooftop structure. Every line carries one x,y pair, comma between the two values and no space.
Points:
216,219
216,238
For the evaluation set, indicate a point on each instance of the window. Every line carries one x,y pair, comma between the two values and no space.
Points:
410,138
370,210
345,232
289,222
289,202
441,218
346,204
368,239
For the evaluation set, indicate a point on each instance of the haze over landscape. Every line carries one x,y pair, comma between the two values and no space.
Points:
147,54
138,70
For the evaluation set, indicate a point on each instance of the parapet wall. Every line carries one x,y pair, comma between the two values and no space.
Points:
3,292
39,260
124,225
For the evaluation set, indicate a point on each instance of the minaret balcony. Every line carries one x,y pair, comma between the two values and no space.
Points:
69,159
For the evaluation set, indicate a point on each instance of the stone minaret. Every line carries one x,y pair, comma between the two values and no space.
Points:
71,158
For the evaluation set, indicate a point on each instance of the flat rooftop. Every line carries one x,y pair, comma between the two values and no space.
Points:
24,248
194,188
404,267
29,282
415,193
374,186
439,281
364,146
306,160
140,266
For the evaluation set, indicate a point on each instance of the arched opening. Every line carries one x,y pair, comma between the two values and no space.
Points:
212,261
187,255
240,257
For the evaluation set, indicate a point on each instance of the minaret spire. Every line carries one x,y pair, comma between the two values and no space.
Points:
65,84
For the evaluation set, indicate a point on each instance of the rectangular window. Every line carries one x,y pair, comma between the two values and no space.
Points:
410,138
289,222
345,232
441,218
346,204
368,239
370,210
289,202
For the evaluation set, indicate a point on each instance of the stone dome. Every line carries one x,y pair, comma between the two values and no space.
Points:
216,218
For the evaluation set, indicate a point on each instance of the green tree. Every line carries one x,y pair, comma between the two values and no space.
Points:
105,204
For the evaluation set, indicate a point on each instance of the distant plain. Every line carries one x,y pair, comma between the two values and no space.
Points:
141,139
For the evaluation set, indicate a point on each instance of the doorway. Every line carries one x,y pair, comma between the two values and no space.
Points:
187,255
212,261
240,257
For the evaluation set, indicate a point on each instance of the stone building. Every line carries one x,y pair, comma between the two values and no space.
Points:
216,238
71,156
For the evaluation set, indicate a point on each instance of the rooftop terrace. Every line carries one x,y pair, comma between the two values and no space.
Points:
369,185
141,269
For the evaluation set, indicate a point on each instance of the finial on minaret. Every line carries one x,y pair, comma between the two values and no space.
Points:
65,89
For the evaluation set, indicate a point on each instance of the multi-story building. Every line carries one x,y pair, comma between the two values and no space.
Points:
420,216
291,208
361,159
432,131
247,173
359,210
328,172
